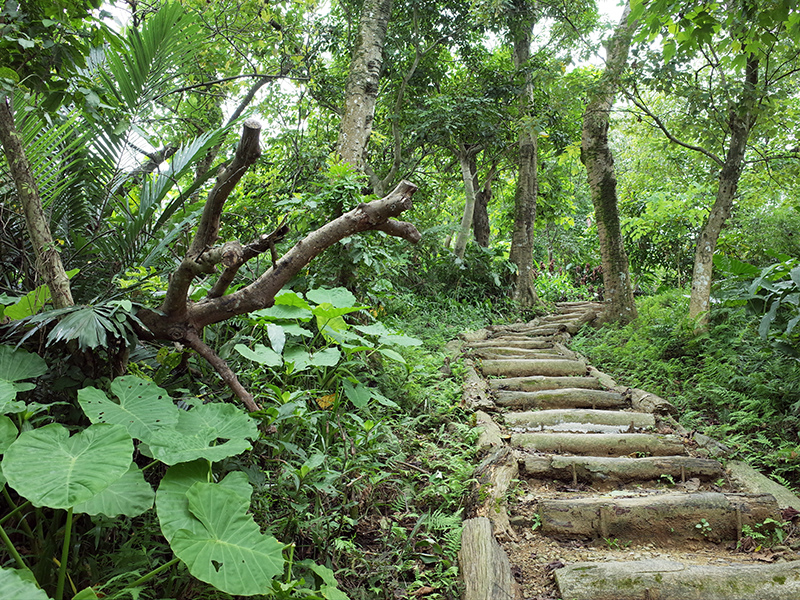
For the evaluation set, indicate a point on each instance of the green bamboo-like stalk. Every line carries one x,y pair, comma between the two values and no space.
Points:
12,550
62,568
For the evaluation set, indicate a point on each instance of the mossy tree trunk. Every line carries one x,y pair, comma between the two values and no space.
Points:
596,155
48,260
521,254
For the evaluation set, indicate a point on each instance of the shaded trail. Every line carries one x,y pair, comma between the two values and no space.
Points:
590,490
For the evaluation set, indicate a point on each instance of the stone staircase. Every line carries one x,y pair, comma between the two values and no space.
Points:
589,490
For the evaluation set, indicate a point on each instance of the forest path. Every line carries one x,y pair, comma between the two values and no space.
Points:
590,490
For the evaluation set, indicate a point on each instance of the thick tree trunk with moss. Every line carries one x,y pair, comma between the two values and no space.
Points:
742,119
521,253
596,155
48,260
361,90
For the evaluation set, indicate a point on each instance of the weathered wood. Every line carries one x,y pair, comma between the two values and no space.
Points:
474,336
490,436
659,579
620,469
606,380
500,353
561,398
755,483
484,565
596,444
516,367
647,402
580,416
527,343
537,383
494,476
663,517
475,389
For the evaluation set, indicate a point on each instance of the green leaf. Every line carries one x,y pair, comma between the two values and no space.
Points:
228,550
260,354
8,391
289,298
277,337
392,355
8,433
50,468
16,365
14,585
282,313
30,304
376,329
143,407
399,340
298,357
329,357
767,319
295,329
228,421
130,495
339,297
358,394
172,505
171,446
86,594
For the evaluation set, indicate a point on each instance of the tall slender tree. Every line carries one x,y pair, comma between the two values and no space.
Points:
596,155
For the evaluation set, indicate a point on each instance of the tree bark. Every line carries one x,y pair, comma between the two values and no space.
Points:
480,216
361,90
48,260
742,119
596,155
465,155
521,253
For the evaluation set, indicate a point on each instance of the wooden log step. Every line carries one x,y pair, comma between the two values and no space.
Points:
620,469
526,343
672,580
561,398
500,353
600,444
658,518
578,416
484,564
537,383
521,367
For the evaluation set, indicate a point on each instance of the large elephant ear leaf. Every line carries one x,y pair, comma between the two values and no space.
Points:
16,365
50,468
172,505
130,495
14,585
229,421
8,433
143,407
228,551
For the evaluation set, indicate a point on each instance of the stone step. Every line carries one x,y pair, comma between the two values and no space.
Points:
657,518
537,383
621,469
580,419
519,367
600,444
561,398
659,579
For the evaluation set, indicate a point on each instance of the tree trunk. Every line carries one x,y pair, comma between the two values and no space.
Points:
465,155
527,180
361,90
597,157
48,260
480,216
741,122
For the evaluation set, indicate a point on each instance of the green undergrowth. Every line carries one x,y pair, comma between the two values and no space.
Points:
727,382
